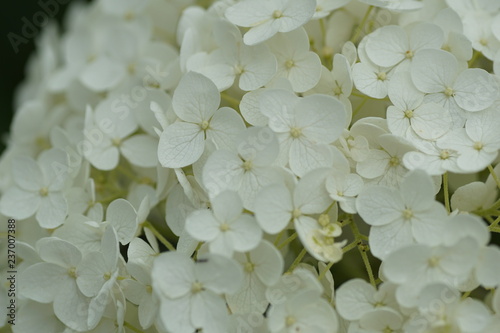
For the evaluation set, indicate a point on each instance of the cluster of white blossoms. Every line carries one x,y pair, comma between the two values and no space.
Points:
182,166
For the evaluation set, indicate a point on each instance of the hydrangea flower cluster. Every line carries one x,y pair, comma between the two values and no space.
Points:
182,166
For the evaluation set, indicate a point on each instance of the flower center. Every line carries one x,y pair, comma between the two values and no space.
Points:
408,114
224,227
382,76
290,320
277,14
409,54
296,213
247,165
289,64
483,42
444,155
407,214
44,191
196,287
478,145
295,132
394,161
433,261
449,92
72,272
116,142
337,91
249,267
238,69
204,125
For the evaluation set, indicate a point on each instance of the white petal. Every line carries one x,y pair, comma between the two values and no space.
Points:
141,150
386,239
268,262
488,268
306,156
196,98
321,117
386,47
41,281
431,121
227,206
245,233
354,298
219,274
52,211
475,89
173,274
202,225
18,203
379,205
310,194
102,74
123,217
305,73
366,80
273,207
181,144
225,126
27,174
433,71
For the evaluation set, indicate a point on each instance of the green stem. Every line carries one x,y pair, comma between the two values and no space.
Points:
287,241
446,192
132,328
350,246
363,248
360,106
495,223
361,26
323,273
158,235
494,175
297,260
235,103
278,237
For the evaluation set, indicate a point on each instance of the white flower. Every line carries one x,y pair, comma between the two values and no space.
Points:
195,102
477,145
304,126
356,297
190,292
54,280
295,62
247,169
262,268
253,66
392,45
415,266
303,311
427,120
139,291
226,228
399,218
437,73
265,18
38,189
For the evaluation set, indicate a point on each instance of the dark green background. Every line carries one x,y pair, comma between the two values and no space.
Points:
12,63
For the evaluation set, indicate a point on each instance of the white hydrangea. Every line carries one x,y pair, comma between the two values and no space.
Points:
182,166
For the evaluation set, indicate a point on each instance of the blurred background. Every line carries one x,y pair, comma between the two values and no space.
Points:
13,18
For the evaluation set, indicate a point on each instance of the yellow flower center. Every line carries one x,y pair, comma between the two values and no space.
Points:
295,132
277,14
44,191
204,125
